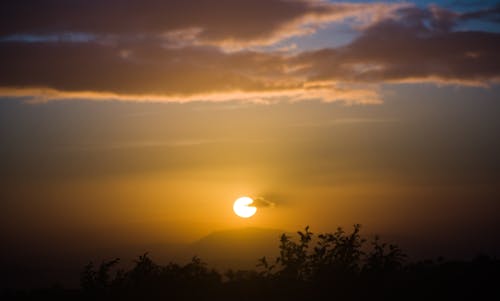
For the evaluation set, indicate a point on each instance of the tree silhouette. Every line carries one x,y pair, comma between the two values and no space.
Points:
98,281
384,258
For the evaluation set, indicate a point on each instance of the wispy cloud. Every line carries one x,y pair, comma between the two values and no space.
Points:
343,121
261,202
140,144
346,96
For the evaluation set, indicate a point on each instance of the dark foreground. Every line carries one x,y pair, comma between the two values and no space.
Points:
331,266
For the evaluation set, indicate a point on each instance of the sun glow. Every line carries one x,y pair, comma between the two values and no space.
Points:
242,209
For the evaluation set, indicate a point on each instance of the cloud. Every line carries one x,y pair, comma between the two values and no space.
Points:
261,202
52,71
490,14
346,96
176,51
229,23
417,46
145,69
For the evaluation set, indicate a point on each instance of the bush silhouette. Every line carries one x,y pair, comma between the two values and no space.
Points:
339,265
328,266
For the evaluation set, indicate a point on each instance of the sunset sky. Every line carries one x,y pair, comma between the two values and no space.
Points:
140,122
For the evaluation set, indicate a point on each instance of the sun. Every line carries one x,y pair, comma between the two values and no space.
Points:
242,209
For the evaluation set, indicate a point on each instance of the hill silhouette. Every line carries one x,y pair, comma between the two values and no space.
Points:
236,248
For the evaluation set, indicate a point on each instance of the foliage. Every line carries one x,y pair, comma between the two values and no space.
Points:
330,255
339,265
384,258
94,280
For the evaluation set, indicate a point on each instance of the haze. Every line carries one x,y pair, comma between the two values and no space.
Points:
141,127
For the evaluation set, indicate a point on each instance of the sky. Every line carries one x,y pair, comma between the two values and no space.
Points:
140,122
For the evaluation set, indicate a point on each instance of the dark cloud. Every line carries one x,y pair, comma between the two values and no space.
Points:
147,69
408,45
145,17
419,45
491,14
140,68
213,21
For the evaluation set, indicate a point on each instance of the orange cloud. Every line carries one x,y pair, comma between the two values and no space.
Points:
348,96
